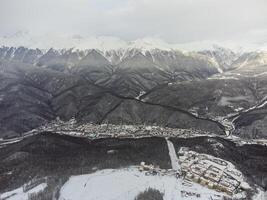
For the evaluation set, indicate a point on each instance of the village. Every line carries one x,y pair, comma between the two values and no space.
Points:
106,130
212,172
206,170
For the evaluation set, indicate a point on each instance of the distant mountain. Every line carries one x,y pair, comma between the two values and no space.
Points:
224,58
106,43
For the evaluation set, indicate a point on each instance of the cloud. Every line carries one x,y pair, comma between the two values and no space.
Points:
175,21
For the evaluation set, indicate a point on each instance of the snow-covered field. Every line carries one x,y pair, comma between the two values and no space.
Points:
127,183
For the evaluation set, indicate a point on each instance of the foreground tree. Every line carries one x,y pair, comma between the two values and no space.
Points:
150,194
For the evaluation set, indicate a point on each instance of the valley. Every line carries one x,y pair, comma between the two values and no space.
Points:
133,100
68,116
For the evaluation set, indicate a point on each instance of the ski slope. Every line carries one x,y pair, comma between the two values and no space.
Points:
173,155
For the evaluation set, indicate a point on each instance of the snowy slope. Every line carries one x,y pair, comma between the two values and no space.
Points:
19,194
126,184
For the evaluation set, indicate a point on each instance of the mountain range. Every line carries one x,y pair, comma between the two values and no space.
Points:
215,90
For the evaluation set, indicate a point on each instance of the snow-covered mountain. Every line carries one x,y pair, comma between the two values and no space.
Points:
223,57
102,43
69,50
105,43
218,59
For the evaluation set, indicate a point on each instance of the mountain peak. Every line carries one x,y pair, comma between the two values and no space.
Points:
138,61
94,58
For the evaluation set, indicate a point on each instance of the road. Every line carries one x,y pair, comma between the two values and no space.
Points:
173,155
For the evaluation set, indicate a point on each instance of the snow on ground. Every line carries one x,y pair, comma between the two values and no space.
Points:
19,194
223,77
126,184
173,156
261,195
9,141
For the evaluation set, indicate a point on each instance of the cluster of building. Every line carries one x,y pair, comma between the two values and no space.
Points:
94,131
211,172
189,194
205,170
155,170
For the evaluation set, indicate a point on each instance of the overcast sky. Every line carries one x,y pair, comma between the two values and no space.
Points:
174,21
